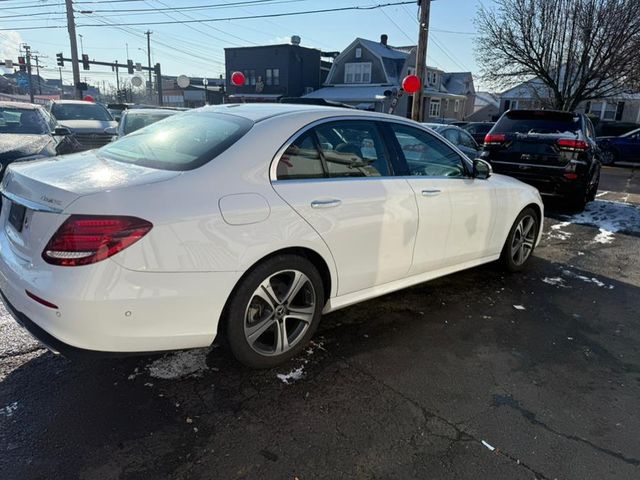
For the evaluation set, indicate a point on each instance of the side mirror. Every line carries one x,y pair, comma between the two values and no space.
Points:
62,131
481,169
111,131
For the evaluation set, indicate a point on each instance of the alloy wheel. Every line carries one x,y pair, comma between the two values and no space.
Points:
279,312
523,240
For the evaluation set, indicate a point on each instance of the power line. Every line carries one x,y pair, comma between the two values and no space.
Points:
246,17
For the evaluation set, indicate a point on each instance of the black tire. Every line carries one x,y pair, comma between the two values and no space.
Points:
250,309
609,156
594,189
508,253
577,201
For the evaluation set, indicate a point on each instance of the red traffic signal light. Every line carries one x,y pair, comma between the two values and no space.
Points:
85,61
22,63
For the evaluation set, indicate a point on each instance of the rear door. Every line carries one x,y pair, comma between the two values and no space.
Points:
457,212
338,177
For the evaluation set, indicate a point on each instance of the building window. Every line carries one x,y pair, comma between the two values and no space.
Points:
358,53
619,111
246,77
456,106
432,77
252,77
434,107
272,76
445,107
357,72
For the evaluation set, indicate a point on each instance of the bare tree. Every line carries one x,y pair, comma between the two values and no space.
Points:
574,50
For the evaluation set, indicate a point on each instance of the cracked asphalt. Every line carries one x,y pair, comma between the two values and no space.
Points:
445,380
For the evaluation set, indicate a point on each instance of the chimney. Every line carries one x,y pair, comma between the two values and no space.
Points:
383,39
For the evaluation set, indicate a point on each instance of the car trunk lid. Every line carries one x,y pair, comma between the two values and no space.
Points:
36,194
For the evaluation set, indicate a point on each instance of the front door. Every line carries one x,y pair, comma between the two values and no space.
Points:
457,212
338,177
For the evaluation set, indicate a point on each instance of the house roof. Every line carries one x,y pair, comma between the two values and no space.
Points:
384,51
456,82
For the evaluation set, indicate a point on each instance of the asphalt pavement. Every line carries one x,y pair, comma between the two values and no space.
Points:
478,375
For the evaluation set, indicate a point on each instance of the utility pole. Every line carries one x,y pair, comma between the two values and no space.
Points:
27,54
38,74
61,84
148,34
71,27
117,77
421,59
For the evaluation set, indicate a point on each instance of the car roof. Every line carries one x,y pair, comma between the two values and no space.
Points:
148,111
22,105
74,102
257,112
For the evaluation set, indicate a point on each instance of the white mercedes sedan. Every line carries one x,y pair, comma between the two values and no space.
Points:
248,221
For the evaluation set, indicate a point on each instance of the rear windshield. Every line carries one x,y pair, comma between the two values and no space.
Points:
538,122
136,121
180,142
80,111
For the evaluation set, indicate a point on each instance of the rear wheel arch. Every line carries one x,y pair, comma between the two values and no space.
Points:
314,257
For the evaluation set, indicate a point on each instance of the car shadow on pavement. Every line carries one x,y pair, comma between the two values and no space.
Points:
405,376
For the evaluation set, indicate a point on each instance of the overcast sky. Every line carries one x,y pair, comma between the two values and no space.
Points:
196,49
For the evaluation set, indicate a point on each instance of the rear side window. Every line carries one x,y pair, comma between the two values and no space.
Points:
538,122
181,142
300,160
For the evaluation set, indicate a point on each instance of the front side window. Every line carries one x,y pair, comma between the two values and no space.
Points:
467,140
181,142
353,149
452,135
425,155
80,111
357,72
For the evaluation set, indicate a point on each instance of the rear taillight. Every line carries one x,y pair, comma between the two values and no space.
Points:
572,144
494,138
85,239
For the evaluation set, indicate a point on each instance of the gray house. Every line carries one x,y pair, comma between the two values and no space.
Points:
366,72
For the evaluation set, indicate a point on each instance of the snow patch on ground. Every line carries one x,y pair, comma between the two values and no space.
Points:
519,307
557,232
291,377
555,281
9,409
180,364
607,216
586,279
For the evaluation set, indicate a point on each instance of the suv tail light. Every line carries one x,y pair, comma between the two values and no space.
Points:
85,239
572,144
494,138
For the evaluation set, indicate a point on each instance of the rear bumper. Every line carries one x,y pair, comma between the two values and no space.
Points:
107,308
552,182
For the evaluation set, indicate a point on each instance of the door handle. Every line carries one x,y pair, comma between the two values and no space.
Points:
430,193
326,203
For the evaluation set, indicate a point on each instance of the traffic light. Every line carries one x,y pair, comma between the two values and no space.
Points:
130,67
85,61
23,64
60,59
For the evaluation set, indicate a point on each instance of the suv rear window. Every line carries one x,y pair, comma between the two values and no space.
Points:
80,111
537,122
181,142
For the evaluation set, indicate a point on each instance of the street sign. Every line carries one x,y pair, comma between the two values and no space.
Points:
8,63
136,81
138,67
183,81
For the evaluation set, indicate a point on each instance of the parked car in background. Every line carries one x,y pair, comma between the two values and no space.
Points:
268,224
552,150
28,132
135,119
116,109
87,120
459,137
625,148
478,130
605,128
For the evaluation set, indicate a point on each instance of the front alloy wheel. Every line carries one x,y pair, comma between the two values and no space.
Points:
521,240
524,238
